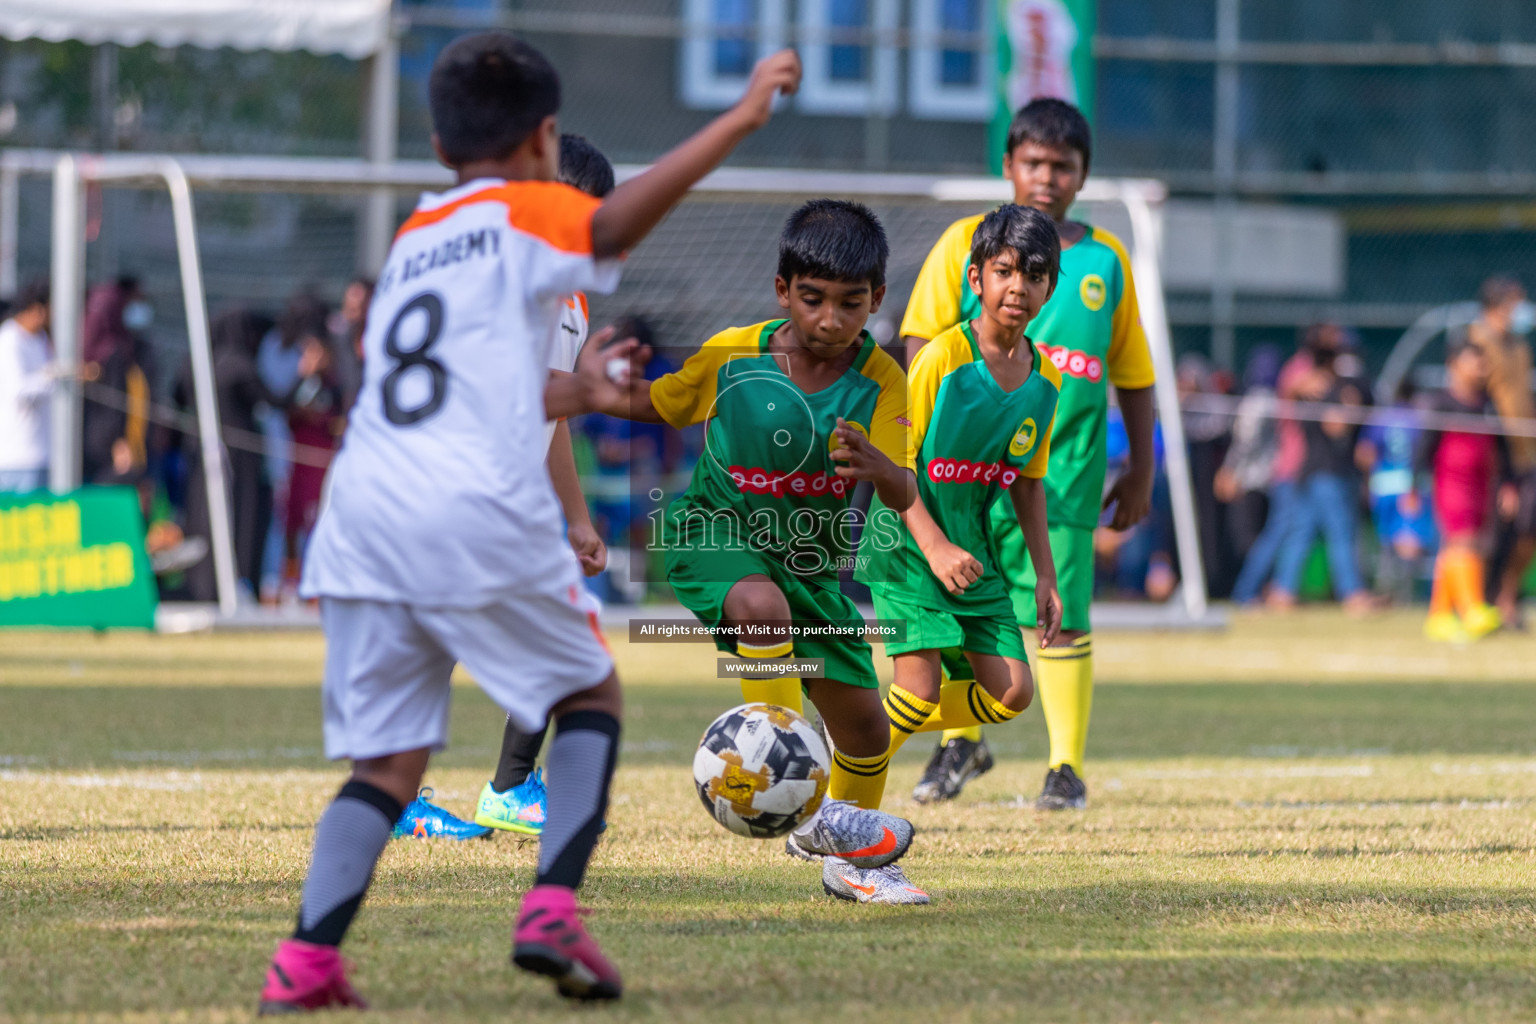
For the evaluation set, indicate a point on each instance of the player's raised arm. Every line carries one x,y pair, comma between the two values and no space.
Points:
638,205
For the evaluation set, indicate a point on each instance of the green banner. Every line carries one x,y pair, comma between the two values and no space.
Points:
75,560
1044,48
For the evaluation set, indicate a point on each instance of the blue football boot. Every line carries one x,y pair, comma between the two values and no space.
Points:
423,820
519,809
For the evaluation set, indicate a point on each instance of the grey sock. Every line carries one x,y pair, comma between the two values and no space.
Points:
350,837
581,762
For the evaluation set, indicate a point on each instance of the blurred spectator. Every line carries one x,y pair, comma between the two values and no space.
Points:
1244,478
1137,563
1465,468
1294,381
316,418
277,364
1405,529
1326,489
1499,332
1207,434
346,327
27,374
236,336
630,460
115,357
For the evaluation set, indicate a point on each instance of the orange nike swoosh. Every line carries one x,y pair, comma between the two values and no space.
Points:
867,890
885,845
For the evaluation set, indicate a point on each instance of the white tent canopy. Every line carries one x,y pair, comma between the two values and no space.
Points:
354,28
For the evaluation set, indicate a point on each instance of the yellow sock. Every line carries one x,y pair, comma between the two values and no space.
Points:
1066,696
859,780
907,714
781,690
964,703
973,734
1440,595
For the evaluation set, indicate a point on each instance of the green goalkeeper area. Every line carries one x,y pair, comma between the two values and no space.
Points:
1299,819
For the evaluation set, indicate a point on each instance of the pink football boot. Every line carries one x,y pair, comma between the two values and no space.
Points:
306,977
550,940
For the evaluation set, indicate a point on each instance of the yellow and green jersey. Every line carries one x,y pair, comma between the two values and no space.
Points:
969,440
766,480
1090,329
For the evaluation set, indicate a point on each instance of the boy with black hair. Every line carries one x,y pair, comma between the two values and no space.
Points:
514,800
797,411
983,401
442,541
1091,331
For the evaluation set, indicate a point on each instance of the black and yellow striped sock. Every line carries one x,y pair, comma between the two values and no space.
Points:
781,690
859,780
1066,696
964,703
907,714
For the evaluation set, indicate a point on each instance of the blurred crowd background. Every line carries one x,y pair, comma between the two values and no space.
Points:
1340,175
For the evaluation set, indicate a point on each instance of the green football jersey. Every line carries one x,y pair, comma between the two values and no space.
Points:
968,441
1090,329
766,479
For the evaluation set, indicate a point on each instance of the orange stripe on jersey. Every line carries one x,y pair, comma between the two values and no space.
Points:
581,297
548,210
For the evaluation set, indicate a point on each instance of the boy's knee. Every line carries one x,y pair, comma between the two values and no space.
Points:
1021,691
756,600
606,697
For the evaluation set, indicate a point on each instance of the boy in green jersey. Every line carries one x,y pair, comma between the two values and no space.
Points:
982,402
1091,330
797,411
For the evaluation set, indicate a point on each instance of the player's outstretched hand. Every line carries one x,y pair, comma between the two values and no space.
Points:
590,550
604,368
774,74
1131,495
955,567
1047,615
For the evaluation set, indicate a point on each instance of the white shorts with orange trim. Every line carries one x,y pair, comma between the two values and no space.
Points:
387,665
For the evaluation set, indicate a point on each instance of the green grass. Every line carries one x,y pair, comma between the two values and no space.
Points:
1301,819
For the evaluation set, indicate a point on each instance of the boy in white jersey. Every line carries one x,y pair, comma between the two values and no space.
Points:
514,800
442,541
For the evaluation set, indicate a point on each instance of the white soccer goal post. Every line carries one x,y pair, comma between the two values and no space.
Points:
692,272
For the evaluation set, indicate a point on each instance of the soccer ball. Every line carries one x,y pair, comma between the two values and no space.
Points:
761,770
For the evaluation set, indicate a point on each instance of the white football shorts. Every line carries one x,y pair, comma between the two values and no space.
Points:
387,665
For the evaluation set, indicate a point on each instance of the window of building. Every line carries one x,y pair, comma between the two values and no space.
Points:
848,50
953,60
725,39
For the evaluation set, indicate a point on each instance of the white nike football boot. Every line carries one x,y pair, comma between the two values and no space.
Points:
863,838
877,885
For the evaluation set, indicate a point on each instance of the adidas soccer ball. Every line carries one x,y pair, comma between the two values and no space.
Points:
761,770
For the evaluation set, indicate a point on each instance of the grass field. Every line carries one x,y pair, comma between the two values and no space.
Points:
1305,819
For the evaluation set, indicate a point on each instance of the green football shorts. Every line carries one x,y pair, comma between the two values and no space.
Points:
701,579
931,630
1072,550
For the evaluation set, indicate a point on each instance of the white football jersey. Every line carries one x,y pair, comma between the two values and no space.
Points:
439,494
566,344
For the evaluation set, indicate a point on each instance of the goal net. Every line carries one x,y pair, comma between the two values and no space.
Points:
708,266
